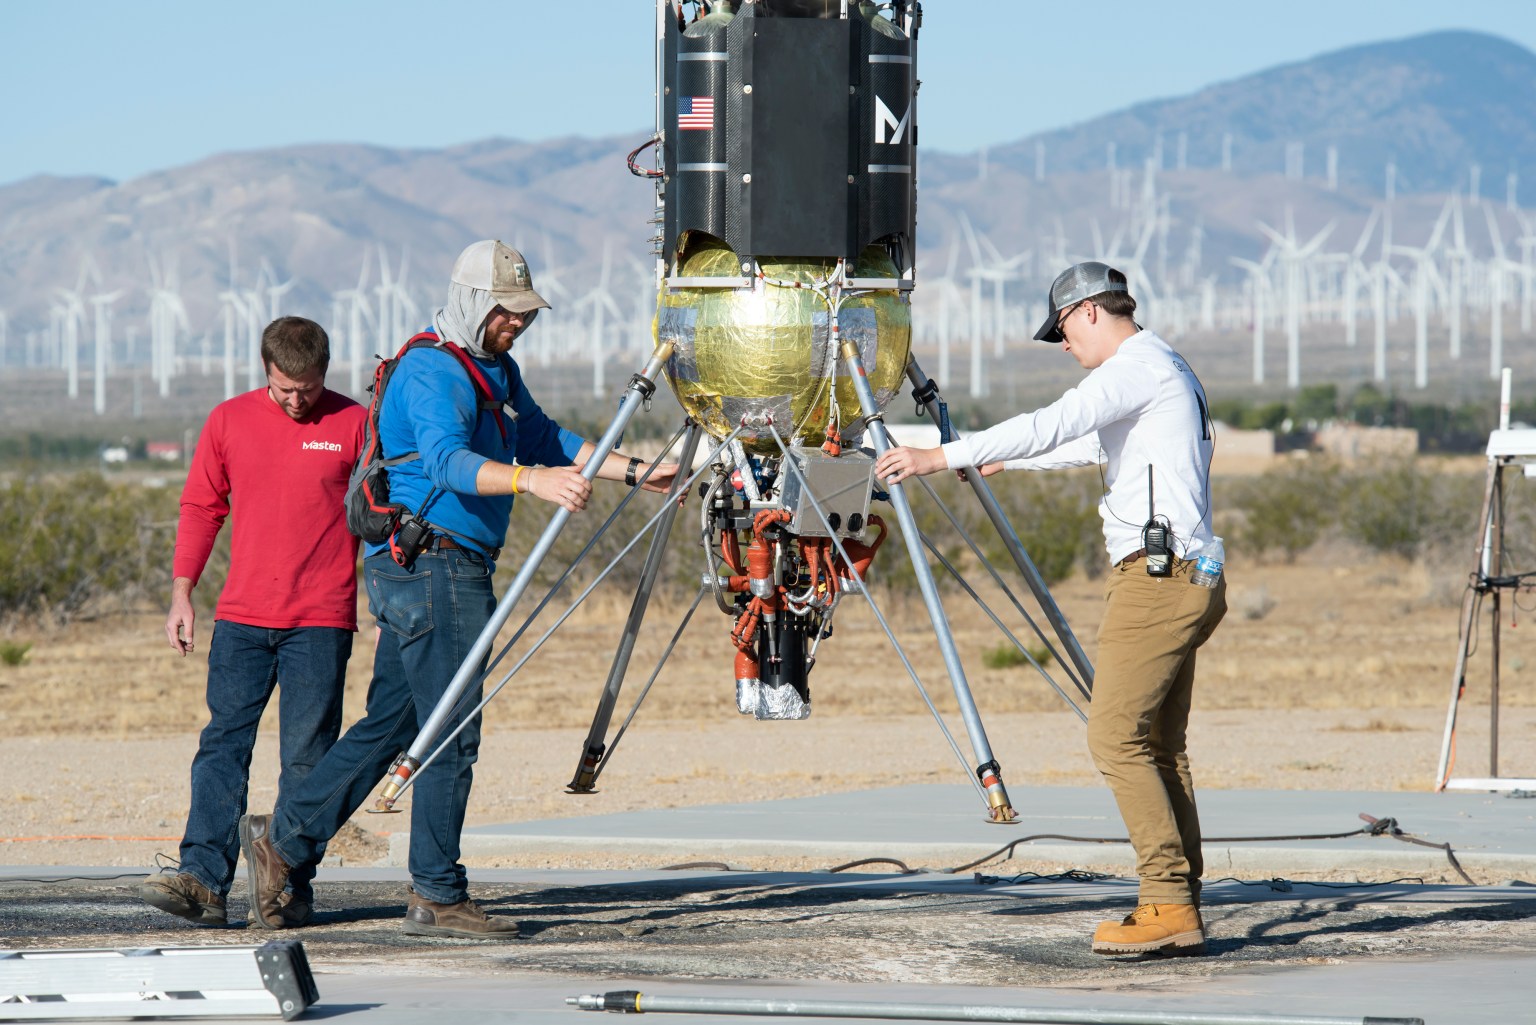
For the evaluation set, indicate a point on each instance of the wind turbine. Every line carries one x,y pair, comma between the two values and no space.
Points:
554,338
1499,269
166,314
1457,257
406,311
358,311
1294,259
233,306
1258,276
103,336
1425,277
73,320
1527,271
603,305
978,377
999,272
947,289
1352,270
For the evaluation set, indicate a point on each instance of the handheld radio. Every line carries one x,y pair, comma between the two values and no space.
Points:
1155,537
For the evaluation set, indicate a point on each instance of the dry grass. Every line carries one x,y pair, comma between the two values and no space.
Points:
1377,636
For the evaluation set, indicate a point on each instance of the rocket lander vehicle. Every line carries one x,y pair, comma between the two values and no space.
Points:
785,152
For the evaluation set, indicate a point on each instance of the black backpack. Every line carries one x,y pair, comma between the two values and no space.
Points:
371,516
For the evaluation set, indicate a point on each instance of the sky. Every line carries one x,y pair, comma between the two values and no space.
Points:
119,89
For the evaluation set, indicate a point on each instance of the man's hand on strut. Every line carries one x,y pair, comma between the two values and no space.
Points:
897,464
986,471
562,485
179,621
661,477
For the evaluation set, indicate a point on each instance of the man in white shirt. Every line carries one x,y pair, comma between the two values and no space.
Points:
1143,414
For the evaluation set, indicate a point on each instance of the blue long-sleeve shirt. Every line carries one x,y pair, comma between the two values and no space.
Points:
430,407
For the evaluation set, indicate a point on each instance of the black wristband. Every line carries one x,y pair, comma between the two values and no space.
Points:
629,471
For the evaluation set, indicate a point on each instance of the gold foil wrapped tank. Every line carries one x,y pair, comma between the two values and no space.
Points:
749,352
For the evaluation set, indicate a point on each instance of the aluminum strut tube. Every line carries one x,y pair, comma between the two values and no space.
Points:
924,386
634,1002
999,807
592,751
641,387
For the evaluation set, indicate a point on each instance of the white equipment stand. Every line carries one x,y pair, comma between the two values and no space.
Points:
1507,449
272,980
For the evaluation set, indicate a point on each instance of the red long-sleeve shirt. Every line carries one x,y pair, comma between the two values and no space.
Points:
292,562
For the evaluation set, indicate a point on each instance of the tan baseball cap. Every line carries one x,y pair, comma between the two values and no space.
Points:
495,267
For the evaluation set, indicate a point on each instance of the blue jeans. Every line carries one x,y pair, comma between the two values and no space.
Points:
430,615
244,664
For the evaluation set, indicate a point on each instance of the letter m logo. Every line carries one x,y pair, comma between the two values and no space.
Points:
889,130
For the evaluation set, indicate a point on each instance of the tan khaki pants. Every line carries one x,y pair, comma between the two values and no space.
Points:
1142,685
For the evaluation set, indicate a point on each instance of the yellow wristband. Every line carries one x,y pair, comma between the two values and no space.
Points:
516,476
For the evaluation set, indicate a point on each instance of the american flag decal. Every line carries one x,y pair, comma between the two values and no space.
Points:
696,113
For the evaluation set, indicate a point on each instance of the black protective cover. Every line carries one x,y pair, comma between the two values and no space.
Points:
807,162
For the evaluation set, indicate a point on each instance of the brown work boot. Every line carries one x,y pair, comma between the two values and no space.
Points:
465,919
265,872
1153,928
183,896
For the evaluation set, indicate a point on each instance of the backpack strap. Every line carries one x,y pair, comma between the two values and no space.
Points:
485,401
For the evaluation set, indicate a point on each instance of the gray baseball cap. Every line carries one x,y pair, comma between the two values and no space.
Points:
1078,282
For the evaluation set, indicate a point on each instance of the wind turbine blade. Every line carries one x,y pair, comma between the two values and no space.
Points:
1275,237
1365,236
1493,231
1317,240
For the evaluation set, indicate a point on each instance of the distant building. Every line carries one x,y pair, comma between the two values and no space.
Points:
163,451
114,454
1238,450
1347,441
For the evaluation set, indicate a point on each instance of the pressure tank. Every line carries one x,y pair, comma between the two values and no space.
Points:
764,353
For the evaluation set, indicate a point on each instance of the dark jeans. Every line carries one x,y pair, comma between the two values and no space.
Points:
244,664
431,616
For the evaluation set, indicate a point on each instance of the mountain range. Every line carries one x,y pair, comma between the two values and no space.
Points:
1435,105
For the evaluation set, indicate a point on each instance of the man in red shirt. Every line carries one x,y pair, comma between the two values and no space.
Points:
275,460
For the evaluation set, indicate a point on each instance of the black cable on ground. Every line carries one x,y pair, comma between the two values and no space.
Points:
687,865
70,879
1375,827
1386,826
905,869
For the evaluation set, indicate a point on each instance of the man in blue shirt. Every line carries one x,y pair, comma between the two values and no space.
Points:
472,461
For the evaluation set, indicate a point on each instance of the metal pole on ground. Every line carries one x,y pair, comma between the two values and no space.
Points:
632,1002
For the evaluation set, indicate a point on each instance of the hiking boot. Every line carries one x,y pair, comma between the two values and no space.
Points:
265,872
1152,928
466,919
183,896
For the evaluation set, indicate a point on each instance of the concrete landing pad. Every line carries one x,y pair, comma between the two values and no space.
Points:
1008,933
1493,836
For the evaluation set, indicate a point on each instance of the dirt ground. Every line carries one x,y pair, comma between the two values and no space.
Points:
1327,674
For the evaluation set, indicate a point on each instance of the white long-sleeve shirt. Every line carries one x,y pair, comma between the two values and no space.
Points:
1141,407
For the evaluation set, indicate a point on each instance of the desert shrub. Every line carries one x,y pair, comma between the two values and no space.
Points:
1056,517
1405,506
74,541
13,653
1007,656
1287,508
